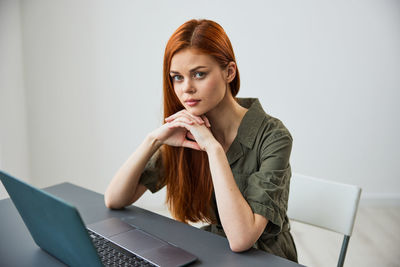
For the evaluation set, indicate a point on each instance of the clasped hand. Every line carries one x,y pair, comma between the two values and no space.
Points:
183,129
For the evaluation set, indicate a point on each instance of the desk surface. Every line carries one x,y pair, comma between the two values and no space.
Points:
17,248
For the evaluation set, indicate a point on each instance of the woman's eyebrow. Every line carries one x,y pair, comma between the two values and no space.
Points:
198,67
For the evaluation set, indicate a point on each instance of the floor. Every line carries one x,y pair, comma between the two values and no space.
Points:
375,240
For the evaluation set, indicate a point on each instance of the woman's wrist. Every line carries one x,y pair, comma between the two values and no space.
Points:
153,142
213,147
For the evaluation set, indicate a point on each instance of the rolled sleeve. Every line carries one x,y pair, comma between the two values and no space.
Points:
268,189
152,173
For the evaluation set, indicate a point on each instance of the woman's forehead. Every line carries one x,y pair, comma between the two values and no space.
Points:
190,58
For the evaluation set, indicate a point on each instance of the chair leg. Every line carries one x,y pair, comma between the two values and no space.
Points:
343,250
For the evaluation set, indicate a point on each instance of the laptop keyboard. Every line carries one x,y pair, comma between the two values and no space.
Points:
112,255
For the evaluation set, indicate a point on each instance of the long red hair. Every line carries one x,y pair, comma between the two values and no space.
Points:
187,172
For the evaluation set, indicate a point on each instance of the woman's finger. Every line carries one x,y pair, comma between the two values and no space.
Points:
190,136
174,116
207,122
186,143
178,124
184,112
185,120
191,144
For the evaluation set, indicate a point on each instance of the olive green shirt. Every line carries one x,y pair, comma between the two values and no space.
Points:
259,159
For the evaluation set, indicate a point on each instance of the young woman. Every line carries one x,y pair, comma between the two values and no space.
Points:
223,159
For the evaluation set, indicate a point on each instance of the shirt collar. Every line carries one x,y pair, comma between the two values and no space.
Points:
248,128
251,121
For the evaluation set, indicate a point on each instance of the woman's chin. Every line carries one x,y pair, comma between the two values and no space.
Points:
195,111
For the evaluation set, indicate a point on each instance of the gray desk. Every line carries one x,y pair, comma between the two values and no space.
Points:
17,248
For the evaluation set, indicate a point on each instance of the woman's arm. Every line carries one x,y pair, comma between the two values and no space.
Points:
242,227
124,188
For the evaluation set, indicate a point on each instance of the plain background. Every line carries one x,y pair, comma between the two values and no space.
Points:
81,81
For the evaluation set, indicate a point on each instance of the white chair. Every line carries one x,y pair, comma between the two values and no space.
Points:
325,204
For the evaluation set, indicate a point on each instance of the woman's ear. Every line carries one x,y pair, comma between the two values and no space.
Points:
230,72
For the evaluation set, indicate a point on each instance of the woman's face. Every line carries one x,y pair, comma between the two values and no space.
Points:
198,80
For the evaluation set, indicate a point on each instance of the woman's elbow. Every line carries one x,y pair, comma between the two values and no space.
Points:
111,204
108,203
240,245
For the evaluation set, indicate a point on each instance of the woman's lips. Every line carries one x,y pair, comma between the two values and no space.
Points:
192,102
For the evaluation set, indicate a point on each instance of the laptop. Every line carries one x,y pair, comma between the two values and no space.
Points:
57,228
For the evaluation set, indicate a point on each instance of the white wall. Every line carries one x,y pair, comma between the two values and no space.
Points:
14,151
328,69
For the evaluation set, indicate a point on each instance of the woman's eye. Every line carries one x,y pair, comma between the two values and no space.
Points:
177,77
199,75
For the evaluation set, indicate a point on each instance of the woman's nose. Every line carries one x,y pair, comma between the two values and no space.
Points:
188,87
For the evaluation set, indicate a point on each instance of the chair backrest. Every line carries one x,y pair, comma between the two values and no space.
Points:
323,203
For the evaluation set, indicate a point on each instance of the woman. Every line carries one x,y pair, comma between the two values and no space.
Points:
223,159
